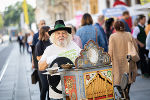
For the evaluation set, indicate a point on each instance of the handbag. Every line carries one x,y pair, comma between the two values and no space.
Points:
34,77
133,52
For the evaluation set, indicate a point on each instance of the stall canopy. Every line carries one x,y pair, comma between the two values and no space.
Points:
118,2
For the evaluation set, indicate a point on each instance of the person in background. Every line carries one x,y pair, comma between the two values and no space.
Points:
36,35
39,50
140,37
147,28
75,38
21,42
148,48
136,21
29,42
125,16
62,46
109,27
35,40
26,42
30,37
87,31
101,35
118,51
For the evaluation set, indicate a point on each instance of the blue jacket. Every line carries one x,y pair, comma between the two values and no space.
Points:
86,33
127,29
35,38
101,37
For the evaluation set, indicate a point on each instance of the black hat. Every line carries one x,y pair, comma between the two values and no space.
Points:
59,25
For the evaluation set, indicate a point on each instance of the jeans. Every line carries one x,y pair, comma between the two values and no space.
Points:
45,86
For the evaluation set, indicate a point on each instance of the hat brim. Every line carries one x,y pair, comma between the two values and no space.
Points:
68,29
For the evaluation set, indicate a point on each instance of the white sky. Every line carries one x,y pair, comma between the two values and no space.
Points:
6,3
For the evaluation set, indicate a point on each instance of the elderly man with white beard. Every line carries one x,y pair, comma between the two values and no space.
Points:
62,46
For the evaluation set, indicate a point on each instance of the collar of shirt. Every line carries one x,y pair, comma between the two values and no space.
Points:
141,25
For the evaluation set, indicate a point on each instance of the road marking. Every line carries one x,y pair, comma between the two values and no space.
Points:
4,69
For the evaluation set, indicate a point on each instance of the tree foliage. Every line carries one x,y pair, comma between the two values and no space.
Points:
1,21
12,14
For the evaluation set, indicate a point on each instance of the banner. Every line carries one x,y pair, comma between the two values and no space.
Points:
144,2
25,8
114,12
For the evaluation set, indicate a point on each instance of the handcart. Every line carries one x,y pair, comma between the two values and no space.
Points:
91,78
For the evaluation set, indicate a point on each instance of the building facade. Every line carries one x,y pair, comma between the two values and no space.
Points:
52,10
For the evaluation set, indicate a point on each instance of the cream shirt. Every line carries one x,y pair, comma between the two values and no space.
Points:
72,51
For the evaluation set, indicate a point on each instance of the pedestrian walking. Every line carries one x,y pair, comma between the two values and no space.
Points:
29,42
140,37
39,50
26,41
101,35
75,38
148,48
147,28
126,16
34,42
21,42
87,31
109,27
136,21
118,50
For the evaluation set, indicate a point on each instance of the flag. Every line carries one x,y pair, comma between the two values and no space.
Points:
25,8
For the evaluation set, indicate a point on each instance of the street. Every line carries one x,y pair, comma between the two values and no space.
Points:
15,83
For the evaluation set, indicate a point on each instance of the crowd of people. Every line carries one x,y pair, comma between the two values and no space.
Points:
114,35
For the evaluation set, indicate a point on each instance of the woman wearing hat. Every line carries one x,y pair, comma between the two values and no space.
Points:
62,46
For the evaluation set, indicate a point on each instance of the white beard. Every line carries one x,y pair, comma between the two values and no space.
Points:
62,43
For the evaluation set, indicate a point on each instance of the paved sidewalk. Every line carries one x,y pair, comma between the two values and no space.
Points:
16,82
140,90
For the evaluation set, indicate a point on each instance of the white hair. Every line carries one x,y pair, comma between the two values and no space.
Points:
53,40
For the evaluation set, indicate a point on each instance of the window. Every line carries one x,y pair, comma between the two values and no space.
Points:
128,2
108,3
137,2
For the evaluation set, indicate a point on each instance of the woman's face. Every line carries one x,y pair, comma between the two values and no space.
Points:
46,35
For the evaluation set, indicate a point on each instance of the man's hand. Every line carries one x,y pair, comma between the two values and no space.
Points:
33,67
42,65
141,45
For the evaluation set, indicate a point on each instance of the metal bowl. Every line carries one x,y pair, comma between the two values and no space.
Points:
52,71
67,66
